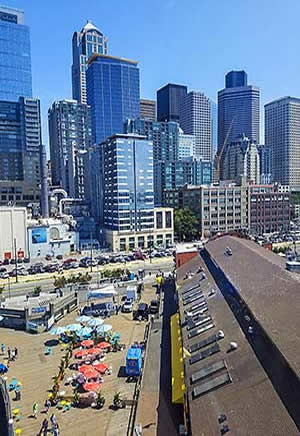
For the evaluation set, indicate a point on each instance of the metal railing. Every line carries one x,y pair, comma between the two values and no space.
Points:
8,426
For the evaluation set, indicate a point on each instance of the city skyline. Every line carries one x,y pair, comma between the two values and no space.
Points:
51,66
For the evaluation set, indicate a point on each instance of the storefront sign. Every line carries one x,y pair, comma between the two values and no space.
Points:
38,309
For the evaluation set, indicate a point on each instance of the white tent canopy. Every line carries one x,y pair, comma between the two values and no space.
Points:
108,291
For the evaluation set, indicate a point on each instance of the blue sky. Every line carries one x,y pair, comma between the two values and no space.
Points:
193,42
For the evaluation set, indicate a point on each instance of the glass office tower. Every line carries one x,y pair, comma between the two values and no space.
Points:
15,60
113,92
84,43
169,99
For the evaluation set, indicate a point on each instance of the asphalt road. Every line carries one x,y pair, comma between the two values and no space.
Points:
22,288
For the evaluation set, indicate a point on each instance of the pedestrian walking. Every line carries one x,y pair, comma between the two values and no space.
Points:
56,430
16,352
53,422
8,353
44,428
35,410
47,405
2,348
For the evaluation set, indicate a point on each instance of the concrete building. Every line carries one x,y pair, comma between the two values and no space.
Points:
282,135
241,159
113,92
169,99
69,137
52,236
84,43
238,109
13,238
147,109
270,209
196,119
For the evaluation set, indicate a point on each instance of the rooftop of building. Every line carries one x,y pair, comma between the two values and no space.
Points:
175,85
284,99
89,26
96,56
247,400
125,136
267,288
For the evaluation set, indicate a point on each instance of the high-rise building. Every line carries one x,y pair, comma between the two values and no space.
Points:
148,109
241,159
186,145
122,173
265,157
15,59
20,141
113,92
238,109
69,137
84,43
214,129
282,135
169,99
236,78
195,119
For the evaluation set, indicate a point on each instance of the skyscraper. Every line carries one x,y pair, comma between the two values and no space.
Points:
236,78
241,159
113,92
148,109
238,109
266,171
282,135
196,119
15,60
69,137
20,140
84,43
169,99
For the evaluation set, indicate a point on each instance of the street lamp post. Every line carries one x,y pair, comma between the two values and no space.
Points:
16,260
8,287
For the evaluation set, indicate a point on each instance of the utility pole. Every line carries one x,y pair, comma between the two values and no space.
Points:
16,260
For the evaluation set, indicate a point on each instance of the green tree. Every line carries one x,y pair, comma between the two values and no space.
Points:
37,290
185,224
59,282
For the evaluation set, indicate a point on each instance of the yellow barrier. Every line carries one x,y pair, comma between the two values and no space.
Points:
178,386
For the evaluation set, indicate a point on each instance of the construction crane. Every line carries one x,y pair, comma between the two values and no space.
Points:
220,153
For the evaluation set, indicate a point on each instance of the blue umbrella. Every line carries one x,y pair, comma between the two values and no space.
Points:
95,322
3,368
104,328
86,331
57,331
73,327
83,318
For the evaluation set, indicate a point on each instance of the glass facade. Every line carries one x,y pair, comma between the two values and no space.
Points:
15,60
113,92
128,183
70,136
169,100
85,43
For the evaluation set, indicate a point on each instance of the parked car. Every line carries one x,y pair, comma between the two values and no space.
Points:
154,306
4,275
127,306
3,269
12,261
141,313
26,260
48,257
59,257
6,262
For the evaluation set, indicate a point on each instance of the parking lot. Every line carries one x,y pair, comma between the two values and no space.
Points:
35,370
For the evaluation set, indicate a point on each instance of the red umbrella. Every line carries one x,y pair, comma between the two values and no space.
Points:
84,368
92,387
87,343
81,353
103,345
94,351
101,367
91,374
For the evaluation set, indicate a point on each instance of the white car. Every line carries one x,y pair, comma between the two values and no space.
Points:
4,275
127,306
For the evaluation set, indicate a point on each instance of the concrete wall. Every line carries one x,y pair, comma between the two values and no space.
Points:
13,222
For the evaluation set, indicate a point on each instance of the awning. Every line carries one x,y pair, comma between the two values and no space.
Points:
108,291
178,386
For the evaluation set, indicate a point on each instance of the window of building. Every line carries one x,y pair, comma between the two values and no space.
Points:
141,241
122,244
168,219
159,223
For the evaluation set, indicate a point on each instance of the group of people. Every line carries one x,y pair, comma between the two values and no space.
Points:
45,424
12,353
